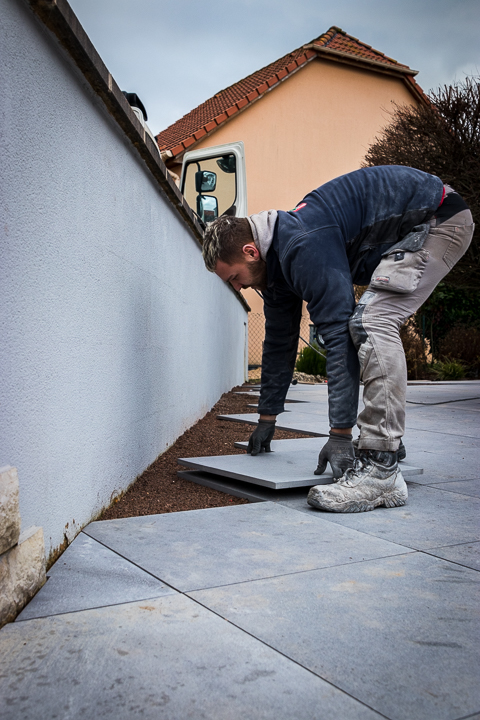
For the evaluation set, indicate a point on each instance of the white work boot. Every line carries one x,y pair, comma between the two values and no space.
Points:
374,480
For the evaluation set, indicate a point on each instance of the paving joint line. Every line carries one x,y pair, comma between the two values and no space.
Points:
297,572
133,563
268,577
453,562
439,432
291,659
96,607
444,402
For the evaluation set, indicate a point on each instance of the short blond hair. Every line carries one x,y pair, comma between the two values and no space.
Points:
224,239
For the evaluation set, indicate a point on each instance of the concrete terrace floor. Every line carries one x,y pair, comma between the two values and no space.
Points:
272,609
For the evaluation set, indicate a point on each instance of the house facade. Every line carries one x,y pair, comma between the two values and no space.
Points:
304,119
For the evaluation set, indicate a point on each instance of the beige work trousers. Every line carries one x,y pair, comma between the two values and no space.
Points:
379,315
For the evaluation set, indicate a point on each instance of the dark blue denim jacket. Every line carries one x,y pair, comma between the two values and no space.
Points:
335,237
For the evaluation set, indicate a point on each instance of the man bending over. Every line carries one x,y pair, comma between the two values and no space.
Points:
395,229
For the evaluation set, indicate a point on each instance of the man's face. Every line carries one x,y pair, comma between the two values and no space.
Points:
250,271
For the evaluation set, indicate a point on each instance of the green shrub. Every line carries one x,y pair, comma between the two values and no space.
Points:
448,370
462,343
311,363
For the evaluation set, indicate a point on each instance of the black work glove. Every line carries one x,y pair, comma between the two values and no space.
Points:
339,452
261,438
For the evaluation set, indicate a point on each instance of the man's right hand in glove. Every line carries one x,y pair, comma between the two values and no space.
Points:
339,452
261,438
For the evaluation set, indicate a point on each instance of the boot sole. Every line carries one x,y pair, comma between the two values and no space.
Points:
395,498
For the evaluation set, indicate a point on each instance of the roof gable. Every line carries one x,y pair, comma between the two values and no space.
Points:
335,44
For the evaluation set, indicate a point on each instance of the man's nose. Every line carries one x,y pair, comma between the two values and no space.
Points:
236,285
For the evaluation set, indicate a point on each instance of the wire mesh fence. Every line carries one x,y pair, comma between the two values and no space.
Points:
256,336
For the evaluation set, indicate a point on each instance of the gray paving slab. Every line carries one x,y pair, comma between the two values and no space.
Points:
468,405
444,419
472,405
293,420
398,633
282,468
219,546
431,518
167,659
311,408
290,464
239,488
467,554
465,487
303,403
442,393
443,457
89,575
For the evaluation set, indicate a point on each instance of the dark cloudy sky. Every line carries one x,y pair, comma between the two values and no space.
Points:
177,53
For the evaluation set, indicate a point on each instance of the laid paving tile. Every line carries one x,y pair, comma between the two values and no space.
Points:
162,659
290,464
397,633
431,518
434,393
443,418
442,456
470,405
218,546
320,409
465,487
89,575
467,554
293,420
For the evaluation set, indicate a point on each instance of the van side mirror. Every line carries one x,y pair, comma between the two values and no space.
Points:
205,181
207,208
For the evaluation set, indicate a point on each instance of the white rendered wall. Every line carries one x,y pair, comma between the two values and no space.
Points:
113,337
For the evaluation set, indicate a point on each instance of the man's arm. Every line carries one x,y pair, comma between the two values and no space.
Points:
283,312
317,267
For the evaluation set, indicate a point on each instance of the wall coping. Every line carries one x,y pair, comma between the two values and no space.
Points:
58,17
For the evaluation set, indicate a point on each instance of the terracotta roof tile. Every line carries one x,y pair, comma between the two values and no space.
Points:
213,112
338,40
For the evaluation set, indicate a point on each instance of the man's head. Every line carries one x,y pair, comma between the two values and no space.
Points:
229,251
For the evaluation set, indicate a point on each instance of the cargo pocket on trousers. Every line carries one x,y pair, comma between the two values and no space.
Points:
400,271
458,245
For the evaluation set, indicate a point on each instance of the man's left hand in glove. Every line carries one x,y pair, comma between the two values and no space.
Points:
339,452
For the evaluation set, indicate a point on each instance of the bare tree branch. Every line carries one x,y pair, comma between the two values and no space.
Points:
441,138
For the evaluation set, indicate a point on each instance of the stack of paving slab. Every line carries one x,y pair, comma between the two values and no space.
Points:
291,463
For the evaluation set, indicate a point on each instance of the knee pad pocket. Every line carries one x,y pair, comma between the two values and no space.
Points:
355,324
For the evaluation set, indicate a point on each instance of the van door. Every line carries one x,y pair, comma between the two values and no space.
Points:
214,181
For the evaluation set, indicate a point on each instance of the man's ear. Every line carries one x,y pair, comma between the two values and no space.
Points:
251,251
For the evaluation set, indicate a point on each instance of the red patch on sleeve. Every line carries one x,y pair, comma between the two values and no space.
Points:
299,207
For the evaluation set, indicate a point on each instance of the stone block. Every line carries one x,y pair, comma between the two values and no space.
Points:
22,573
9,509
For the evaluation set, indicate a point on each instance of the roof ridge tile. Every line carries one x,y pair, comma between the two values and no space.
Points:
207,116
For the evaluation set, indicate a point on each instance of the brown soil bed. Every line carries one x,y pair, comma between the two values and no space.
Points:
160,490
